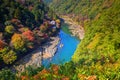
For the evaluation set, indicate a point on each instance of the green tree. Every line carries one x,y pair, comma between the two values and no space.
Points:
6,74
10,29
4,51
7,23
9,57
17,13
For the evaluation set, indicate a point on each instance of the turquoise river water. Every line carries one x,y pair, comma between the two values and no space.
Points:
66,49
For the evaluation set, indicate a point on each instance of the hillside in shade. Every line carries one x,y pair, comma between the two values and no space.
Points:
23,26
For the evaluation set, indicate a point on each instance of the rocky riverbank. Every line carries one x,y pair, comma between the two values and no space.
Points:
75,28
50,48
34,59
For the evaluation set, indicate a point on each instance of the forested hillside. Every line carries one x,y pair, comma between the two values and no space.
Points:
99,52
23,26
97,57
48,1
80,10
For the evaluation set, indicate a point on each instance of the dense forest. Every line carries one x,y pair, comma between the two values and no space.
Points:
99,52
97,57
23,26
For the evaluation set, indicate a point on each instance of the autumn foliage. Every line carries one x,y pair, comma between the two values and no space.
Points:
25,78
22,28
29,35
58,21
18,42
2,44
41,75
9,57
55,69
10,29
43,28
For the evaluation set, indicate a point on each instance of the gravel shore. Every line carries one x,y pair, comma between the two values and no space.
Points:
75,28
34,59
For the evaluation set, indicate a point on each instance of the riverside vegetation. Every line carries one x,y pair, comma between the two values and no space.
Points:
98,54
23,26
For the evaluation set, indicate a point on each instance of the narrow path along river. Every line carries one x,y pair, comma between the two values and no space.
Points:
66,48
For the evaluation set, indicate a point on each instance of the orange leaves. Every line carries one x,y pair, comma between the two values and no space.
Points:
29,35
84,77
55,69
92,77
44,71
50,74
25,78
41,75
36,77
66,78
2,44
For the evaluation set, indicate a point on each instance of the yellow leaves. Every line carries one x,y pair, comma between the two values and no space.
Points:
116,65
23,29
16,37
97,16
58,21
95,41
9,29
99,67
84,77
18,41
9,57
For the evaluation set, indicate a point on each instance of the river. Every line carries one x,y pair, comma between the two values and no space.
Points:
66,48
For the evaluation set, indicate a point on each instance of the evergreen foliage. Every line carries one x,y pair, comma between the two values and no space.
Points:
19,27
98,54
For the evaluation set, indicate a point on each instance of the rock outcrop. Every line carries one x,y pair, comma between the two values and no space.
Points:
34,59
50,48
75,28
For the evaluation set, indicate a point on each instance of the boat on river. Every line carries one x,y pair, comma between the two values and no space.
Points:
61,45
